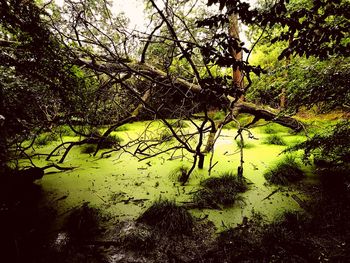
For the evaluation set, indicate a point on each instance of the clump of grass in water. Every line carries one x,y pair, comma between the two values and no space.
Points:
165,135
122,128
110,141
231,125
179,124
64,130
46,138
220,191
245,144
274,139
285,172
273,128
219,115
168,217
180,174
88,148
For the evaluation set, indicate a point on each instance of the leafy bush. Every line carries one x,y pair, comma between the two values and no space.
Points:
333,146
168,217
285,172
274,139
220,191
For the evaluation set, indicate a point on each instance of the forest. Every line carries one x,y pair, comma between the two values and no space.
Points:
174,131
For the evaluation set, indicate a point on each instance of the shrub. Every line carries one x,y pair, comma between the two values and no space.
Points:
168,217
285,172
220,191
274,139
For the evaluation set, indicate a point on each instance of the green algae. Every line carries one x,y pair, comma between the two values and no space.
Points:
124,187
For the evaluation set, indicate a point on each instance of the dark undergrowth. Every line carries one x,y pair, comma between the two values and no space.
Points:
166,232
168,217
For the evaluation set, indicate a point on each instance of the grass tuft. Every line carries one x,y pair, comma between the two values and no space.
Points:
180,174
285,172
110,141
46,138
179,124
274,139
88,148
122,128
168,217
246,145
220,191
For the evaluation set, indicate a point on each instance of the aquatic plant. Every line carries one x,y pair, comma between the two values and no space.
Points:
219,115
220,191
285,172
122,128
64,130
165,135
88,148
178,124
168,217
230,125
274,139
180,174
46,138
110,141
246,145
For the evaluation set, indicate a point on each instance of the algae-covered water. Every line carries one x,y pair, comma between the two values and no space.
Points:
123,186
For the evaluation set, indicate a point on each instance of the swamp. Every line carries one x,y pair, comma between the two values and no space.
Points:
174,131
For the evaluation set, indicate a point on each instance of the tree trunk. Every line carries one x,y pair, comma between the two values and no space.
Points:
234,33
201,160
